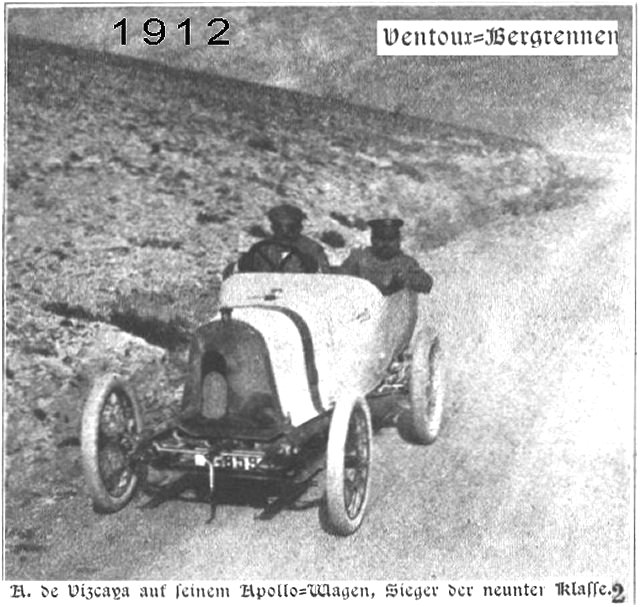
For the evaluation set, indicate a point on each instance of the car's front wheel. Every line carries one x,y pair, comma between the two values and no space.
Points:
111,425
348,479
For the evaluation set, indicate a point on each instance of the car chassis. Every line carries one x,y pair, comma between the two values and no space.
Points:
225,433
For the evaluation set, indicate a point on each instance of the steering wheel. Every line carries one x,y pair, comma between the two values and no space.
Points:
256,259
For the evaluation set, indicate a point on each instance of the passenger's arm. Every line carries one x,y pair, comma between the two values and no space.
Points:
417,279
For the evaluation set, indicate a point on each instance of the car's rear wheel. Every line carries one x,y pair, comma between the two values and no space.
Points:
348,478
111,425
426,391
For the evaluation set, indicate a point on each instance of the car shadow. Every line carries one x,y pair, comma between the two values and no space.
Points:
269,497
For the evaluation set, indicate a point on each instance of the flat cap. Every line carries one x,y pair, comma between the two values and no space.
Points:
385,228
286,211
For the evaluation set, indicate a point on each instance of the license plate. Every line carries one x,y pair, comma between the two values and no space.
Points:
235,460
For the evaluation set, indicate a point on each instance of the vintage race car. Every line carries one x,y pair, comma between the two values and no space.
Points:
288,379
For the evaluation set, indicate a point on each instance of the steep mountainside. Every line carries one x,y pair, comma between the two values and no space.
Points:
130,186
330,51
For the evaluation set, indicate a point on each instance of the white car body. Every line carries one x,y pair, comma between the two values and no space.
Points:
337,328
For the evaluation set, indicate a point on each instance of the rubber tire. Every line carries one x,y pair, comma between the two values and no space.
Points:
426,391
334,514
103,500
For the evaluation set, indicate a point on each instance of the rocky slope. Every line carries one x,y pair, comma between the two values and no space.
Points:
330,51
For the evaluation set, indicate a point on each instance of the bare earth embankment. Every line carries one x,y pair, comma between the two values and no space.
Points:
129,188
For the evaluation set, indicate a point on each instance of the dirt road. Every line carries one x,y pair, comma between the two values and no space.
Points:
531,475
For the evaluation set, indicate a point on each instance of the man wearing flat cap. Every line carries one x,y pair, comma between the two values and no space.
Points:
287,250
384,264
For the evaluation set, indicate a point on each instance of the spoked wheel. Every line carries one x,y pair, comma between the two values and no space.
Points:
111,424
427,391
348,467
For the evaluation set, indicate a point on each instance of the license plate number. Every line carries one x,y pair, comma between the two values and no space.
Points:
232,461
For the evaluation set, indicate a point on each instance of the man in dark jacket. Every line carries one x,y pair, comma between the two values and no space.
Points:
384,264
288,250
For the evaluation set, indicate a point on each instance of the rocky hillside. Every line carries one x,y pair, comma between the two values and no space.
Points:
330,51
131,185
